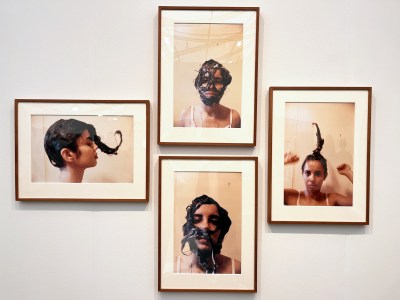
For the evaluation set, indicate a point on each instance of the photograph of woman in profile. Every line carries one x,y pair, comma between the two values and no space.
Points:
71,145
206,225
314,172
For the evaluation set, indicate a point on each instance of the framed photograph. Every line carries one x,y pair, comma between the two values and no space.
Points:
319,141
82,150
207,224
207,77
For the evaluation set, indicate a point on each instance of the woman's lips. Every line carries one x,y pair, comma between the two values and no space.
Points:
202,239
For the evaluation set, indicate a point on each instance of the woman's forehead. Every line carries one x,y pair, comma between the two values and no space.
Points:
313,165
217,73
84,136
207,208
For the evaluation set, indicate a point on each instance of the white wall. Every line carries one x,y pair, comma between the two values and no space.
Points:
108,50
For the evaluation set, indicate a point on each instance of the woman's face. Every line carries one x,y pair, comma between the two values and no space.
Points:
206,217
86,155
313,175
212,90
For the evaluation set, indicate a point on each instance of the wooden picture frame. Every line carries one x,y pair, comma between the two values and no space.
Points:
313,127
58,157
186,185
207,76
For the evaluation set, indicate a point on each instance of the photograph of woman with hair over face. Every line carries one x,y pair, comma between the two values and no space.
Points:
211,82
206,225
208,68
73,147
208,231
305,182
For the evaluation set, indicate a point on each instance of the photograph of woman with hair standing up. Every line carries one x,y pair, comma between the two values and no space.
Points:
314,171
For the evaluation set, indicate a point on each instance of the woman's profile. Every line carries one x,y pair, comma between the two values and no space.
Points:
211,82
206,225
71,145
314,171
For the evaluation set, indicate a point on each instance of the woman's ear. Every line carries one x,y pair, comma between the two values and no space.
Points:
67,155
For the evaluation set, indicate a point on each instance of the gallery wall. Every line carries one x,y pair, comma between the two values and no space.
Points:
108,50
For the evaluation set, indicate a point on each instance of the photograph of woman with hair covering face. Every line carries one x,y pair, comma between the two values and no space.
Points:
73,146
211,82
208,71
206,228
338,125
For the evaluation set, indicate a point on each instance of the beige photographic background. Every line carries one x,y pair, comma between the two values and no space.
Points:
336,123
196,43
109,168
223,187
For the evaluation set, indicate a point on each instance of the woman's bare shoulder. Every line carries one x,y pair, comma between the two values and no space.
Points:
290,196
185,112
236,121
225,264
184,118
182,264
291,192
339,200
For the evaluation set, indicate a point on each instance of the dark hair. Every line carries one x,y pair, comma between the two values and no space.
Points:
208,69
316,154
224,222
64,133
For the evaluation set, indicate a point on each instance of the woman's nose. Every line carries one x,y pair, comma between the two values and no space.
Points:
204,225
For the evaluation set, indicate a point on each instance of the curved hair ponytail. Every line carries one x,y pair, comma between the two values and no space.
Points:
316,154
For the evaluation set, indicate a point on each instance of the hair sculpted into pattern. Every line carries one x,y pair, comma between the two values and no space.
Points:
316,154
189,229
206,80
192,233
64,133
207,71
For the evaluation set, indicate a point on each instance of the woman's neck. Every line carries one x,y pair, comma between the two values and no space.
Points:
71,175
211,110
314,195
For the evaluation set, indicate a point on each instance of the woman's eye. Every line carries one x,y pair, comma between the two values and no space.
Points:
196,219
214,221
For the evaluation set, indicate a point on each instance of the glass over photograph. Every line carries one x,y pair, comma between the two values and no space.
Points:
207,222
318,155
208,75
207,71
75,149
